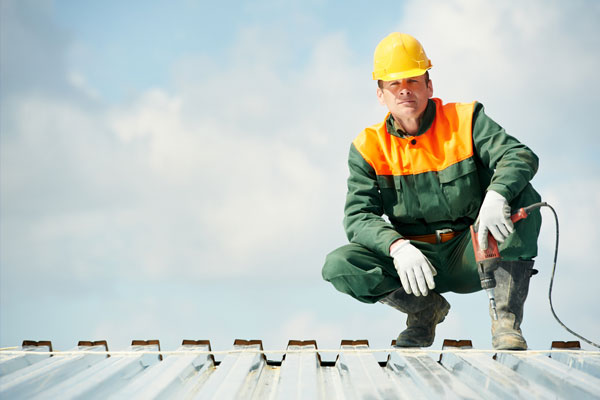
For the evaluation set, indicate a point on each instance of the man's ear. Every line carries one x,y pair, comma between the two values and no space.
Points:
380,96
430,88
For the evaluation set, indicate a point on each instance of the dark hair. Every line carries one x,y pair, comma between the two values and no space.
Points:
380,82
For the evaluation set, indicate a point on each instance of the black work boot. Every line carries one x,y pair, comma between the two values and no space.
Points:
512,285
424,313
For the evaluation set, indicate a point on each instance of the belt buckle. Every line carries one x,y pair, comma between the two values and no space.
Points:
438,234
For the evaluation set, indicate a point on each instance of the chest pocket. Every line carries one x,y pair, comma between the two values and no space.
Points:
390,188
461,190
408,199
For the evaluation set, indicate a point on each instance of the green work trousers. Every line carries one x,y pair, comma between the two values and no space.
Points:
368,277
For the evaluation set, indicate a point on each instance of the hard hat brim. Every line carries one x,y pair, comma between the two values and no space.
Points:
399,75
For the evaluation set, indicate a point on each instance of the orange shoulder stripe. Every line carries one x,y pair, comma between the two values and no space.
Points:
448,141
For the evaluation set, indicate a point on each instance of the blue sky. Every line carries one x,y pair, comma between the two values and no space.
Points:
176,170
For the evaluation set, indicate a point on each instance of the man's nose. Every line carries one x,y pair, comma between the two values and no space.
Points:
404,89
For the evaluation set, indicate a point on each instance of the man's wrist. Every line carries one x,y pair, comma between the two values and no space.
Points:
395,244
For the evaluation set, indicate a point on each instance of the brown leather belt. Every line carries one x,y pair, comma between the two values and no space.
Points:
440,236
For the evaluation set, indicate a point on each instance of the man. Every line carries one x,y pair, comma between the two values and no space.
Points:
432,169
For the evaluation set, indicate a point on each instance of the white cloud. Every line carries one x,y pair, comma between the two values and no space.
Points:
79,82
577,203
216,191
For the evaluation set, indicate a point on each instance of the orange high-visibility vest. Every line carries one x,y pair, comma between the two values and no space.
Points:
448,141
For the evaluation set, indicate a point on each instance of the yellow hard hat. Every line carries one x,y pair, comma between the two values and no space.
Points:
399,56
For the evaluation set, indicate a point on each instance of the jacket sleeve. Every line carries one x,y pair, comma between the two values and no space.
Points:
512,163
363,212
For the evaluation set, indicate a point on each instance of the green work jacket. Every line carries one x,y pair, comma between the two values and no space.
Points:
444,196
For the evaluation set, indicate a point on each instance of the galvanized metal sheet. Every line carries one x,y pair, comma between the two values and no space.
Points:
103,378
299,377
237,375
361,374
174,377
431,378
580,361
561,379
38,377
12,362
481,371
190,372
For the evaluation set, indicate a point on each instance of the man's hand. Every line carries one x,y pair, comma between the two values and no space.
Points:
414,269
494,217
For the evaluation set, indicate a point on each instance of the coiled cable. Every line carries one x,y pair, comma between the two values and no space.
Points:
552,279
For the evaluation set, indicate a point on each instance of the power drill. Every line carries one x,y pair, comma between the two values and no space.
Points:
487,260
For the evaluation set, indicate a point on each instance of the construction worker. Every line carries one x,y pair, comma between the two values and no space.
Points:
432,169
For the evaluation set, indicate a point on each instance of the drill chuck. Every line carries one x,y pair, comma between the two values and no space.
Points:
486,273
488,282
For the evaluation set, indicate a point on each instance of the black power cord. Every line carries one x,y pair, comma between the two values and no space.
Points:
544,204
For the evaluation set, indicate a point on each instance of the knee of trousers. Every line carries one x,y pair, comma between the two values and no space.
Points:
353,259
357,271
337,263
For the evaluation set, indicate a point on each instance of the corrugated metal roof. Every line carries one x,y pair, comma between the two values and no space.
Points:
143,371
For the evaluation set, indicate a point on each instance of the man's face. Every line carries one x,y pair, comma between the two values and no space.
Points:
406,98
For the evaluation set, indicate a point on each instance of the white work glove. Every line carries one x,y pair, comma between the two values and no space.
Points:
494,217
414,269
